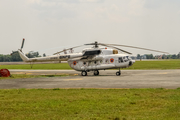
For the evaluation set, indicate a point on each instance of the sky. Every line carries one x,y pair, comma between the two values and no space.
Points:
49,26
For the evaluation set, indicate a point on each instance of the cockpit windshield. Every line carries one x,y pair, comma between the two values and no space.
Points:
124,59
128,57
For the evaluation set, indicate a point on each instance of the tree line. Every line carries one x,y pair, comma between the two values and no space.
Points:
150,56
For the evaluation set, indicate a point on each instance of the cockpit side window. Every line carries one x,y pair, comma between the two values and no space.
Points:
129,58
125,58
120,60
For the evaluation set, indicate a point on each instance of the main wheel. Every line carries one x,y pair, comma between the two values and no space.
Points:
84,73
118,73
96,72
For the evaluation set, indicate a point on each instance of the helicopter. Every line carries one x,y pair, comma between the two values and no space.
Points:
91,59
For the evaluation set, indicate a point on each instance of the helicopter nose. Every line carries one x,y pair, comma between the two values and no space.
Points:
131,62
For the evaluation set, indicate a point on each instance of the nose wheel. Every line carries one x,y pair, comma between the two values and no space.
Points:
84,73
96,72
118,73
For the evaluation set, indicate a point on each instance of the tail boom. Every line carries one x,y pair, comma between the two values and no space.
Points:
49,58
23,57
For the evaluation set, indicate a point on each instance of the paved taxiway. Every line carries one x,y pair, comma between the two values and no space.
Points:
107,79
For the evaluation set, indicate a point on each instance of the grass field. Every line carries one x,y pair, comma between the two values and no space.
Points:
90,104
38,66
166,64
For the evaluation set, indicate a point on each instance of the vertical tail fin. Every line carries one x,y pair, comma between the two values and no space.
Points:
24,58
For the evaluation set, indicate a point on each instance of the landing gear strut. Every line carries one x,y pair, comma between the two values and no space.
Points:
84,73
96,72
118,73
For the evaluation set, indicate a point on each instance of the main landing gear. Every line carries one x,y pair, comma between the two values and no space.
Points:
96,72
84,73
118,73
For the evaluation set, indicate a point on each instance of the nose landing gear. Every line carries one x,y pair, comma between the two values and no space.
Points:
118,73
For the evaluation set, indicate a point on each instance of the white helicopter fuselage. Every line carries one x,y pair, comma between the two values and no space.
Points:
107,59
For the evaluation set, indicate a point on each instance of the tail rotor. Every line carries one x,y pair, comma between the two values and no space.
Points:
13,52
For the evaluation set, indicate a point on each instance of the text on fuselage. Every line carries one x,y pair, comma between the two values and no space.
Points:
64,57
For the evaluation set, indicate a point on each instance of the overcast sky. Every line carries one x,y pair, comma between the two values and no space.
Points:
52,25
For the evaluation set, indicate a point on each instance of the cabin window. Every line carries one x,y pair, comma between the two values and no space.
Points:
95,52
95,62
84,63
120,60
107,61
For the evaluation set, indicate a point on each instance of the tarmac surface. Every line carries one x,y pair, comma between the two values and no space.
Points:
169,79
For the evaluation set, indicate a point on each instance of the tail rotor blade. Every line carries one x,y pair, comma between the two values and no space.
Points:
22,43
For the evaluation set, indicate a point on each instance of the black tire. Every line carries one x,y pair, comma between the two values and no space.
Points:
96,72
118,73
84,73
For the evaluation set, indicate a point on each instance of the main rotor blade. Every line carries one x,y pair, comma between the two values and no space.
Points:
67,49
95,43
90,44
138,48
115,48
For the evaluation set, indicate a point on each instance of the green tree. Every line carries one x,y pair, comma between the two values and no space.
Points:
178,55
16,57
44,55
7,58
32,54
138,56
174,56
1,58
149,56
164,56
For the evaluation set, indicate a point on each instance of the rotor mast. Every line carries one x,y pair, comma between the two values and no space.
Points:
96,44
